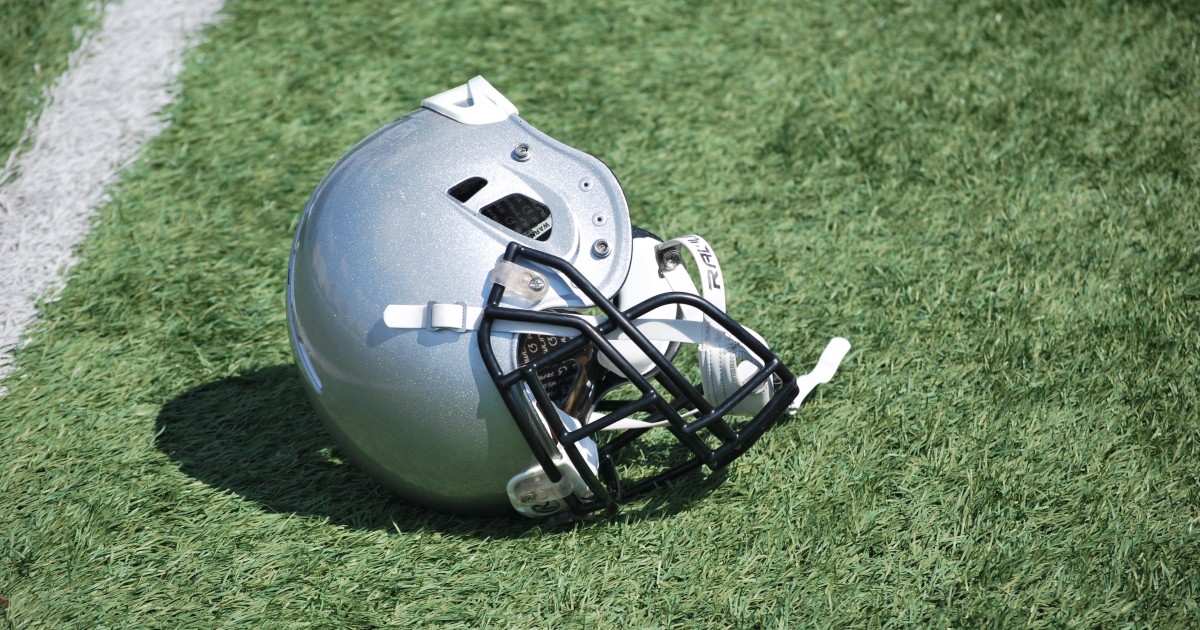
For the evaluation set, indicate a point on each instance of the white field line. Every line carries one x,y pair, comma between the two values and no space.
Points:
96,117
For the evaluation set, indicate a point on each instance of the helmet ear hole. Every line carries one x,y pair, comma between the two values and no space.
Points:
521,214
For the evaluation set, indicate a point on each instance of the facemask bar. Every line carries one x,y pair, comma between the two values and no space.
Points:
681,398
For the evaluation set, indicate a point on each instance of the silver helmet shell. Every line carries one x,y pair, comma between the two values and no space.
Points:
416,409
430,253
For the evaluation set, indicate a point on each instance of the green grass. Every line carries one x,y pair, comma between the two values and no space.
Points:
996,201
36,37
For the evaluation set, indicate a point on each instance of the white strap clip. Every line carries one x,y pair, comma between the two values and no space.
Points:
448,316
436,316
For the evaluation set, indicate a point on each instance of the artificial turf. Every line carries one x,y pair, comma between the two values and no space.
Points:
36,40
995,201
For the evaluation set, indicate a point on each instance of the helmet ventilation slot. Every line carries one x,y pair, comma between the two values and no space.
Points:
467,188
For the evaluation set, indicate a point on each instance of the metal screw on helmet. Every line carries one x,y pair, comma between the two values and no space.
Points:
521,153
670,259
601,248
537,284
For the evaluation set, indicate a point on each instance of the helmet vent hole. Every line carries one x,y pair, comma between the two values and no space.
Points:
467,188
521,214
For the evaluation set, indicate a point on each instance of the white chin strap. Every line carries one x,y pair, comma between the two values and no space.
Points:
723,369
725,364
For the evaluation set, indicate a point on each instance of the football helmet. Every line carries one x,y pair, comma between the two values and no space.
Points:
482,329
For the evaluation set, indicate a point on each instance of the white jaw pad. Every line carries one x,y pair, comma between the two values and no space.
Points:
644,282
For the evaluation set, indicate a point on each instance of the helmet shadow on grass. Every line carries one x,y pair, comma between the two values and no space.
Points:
256,435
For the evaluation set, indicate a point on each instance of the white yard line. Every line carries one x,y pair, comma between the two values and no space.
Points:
97,117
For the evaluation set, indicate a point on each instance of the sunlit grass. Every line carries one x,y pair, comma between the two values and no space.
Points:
995,201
